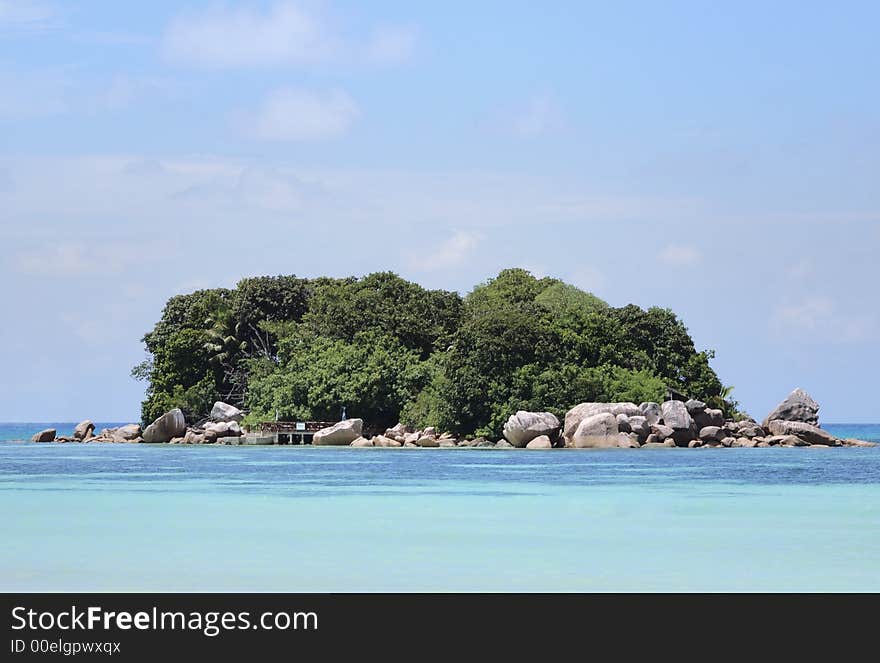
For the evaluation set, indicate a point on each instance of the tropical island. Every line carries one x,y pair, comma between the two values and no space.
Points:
520,361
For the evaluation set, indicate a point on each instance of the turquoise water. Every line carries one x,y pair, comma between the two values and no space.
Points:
203,518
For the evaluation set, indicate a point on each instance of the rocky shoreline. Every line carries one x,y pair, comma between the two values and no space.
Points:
671,424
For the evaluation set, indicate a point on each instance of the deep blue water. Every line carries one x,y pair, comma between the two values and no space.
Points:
200,518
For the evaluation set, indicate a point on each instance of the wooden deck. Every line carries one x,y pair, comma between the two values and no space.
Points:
293,432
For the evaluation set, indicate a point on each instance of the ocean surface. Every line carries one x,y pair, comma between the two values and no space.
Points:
128,517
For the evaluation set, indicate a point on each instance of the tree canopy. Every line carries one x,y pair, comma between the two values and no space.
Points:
388,349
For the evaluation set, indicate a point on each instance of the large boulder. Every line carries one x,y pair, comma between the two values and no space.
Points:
797,406
47,435
127,433
651,411
169,425
523,427
712,417
578,413
596,431
218,429
695,407
427,441
807,432
340,434
225,412
677,417
711,434
83,430
540,442
385,441
640,426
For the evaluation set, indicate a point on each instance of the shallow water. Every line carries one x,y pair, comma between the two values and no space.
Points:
200,518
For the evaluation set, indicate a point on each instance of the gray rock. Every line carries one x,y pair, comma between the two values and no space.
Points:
623,423
446,442
503,444
128,433
728,441
808,433
661,431
749,429
222,429
694,444
797,406
361,442
596,431
339,434
483,443
676,415
168,426
651,411
193,437
708,433
744,442
225,412
713,417
624,441
524,426
852,442
83,430
640,426
540,442
385,441
427,441
47,435
694,406
578,413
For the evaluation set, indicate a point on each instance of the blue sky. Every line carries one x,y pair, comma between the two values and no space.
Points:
720,159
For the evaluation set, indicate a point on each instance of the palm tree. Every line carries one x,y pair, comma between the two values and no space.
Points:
225,350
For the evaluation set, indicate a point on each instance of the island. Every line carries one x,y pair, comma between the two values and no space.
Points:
519,362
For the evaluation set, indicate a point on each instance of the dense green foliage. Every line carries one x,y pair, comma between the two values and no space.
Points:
389,350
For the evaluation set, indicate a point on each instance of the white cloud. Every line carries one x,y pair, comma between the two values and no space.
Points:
245,37
677,255
818,318
540,115
75,258
391,43
25,14
808,314
448,254
289,114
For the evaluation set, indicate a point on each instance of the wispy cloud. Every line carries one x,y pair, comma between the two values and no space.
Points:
391,44
817,318
26,14
77,258
541,114
678,255
289,114
243,37
450,253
